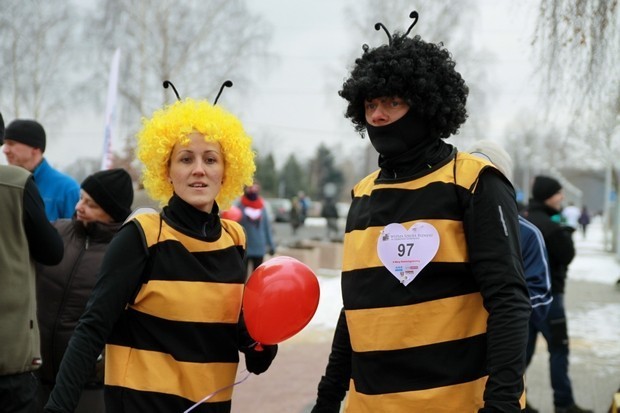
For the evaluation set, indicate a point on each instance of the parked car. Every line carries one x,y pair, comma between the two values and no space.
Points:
279,209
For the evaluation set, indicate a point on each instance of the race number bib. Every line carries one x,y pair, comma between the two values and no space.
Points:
406,252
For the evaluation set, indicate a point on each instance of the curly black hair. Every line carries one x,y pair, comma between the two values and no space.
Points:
421,73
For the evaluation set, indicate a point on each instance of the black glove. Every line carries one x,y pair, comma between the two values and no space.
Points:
272,251
258,362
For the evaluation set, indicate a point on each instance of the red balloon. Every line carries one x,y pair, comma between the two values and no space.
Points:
233,213
280,298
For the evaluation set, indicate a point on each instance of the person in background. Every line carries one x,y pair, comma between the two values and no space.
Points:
257,225
295,215
584,220
544,207
571,215
26,237
436,305
329,211
63,289
24,146
304,201
167,303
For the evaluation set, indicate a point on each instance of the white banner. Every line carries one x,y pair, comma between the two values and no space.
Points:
106,161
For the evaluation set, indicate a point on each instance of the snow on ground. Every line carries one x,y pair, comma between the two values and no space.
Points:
330,303
595,323
592,262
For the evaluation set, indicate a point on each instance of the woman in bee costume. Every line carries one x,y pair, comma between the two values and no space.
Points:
435,302
167,304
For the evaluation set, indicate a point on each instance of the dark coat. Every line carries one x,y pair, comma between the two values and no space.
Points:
64,289
558,240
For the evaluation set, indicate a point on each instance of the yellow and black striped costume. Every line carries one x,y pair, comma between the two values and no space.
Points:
192,293
423,345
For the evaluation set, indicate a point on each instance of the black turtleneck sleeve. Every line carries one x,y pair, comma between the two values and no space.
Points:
334,384
45,244
492,232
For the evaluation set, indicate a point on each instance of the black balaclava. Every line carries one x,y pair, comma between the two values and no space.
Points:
406,147
398,137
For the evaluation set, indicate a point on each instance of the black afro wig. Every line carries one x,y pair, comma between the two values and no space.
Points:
421,73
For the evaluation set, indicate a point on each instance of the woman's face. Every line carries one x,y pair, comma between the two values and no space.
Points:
384,110
87,210
197,171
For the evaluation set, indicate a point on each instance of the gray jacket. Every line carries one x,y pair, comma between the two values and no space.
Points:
26,236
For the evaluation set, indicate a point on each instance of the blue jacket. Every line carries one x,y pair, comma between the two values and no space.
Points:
536,269
60,192
259,238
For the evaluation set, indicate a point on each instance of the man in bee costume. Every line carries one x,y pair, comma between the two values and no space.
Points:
167,304
436,307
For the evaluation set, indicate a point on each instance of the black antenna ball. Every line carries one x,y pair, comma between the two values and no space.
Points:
227,83
169,83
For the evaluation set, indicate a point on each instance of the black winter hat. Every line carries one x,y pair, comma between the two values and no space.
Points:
112,189
545,187
29,132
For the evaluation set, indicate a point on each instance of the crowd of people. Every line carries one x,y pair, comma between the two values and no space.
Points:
445,286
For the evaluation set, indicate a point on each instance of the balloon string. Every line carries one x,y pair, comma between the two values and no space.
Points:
217,391
256,346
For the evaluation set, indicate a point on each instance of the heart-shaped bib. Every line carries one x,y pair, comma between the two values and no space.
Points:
253,213
406,252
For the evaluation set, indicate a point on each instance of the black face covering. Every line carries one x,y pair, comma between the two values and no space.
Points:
399,137
406,147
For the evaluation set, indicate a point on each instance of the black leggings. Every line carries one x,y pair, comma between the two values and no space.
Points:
252,262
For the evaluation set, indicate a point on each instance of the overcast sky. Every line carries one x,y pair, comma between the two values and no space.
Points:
294,106
299,104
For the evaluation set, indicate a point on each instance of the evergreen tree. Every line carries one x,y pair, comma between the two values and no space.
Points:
267,175
292,178
324,174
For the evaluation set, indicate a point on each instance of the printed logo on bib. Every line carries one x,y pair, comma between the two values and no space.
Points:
406,252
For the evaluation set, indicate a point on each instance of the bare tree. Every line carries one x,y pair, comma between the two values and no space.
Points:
196,44
577,42
38,52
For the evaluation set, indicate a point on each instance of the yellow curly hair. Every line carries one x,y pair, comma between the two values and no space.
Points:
172,125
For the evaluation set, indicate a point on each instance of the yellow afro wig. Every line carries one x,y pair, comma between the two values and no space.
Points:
172,125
